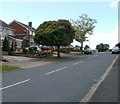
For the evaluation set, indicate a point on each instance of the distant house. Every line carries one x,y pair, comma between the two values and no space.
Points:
7,31
24,32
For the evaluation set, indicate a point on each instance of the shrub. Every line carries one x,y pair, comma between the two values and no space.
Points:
45,53
32,50
6,45
25,51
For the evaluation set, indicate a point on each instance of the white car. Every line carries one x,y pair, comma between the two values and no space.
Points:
115,50
38,48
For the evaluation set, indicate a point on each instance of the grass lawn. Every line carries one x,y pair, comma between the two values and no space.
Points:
53,59
80,53
7,68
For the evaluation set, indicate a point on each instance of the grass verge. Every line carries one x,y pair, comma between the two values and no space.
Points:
7,68
80,54
54,59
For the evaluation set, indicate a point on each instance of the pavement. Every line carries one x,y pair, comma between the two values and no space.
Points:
108,89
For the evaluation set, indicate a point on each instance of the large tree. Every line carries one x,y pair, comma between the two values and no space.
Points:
55,33
84,25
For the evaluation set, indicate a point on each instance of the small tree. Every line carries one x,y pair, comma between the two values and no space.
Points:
86,46
102,47
6,45
55,33
84,25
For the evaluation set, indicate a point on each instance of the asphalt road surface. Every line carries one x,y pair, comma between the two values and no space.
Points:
64,81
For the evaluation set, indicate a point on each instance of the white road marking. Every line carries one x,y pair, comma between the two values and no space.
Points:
56,70
50,72
15,84
78,62
61,68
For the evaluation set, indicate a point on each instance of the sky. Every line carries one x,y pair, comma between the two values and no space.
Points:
106,14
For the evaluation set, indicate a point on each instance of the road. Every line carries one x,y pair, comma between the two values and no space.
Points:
64,81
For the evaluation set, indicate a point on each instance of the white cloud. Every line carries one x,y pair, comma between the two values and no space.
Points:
114,4
105,38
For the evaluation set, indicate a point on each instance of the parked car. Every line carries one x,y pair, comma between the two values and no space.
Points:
88,51
115,50
47,47
37,50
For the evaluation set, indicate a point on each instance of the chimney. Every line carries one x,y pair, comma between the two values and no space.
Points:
30,24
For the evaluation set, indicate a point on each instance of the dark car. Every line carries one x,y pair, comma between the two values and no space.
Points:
88,51
115,50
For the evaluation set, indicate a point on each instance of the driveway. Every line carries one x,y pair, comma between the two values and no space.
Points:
27,62
24,62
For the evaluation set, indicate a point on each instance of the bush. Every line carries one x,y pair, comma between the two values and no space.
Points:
6,45
25,51
32,50
10,53
45,53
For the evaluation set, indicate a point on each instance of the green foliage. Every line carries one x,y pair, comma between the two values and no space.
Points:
32,50
45,53
6,45
77,46
55,33
102,47
25,51
7,68
84,25
86,46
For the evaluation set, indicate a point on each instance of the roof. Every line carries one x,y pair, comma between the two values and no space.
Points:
24,25
3,24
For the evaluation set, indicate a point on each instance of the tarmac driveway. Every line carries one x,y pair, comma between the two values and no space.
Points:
24,62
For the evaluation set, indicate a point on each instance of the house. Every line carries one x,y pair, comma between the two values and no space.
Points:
7,31
24,32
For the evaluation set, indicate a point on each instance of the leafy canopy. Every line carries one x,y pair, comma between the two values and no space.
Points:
57,33
84,25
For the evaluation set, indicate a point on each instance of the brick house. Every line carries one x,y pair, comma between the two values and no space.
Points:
24,32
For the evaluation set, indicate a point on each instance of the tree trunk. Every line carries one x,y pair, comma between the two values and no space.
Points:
82,47
58,49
